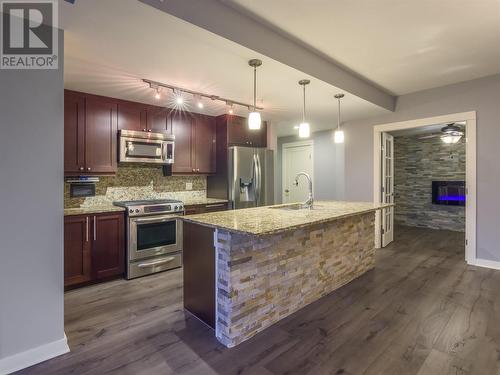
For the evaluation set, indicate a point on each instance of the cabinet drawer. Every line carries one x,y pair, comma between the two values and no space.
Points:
216,207
157,264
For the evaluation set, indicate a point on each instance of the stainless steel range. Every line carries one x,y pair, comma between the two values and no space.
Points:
154,236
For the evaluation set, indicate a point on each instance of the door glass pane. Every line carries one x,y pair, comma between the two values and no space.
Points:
156,234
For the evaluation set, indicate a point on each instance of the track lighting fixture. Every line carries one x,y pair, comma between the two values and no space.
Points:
178,98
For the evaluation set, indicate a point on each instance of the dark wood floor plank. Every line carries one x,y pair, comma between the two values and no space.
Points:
421,311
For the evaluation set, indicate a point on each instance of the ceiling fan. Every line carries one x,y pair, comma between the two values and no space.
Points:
451,133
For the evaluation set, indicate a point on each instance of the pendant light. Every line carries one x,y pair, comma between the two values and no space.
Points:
304,128
254,120
339,134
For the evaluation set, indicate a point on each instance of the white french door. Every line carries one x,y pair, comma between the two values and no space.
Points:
387,189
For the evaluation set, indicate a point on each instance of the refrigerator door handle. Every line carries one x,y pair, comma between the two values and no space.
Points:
258,182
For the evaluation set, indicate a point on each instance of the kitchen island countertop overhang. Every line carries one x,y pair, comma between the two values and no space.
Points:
274,219
245,270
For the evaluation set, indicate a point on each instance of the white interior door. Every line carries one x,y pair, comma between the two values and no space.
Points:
387,189
297,157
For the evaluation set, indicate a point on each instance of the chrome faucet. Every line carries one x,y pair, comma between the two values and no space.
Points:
310,201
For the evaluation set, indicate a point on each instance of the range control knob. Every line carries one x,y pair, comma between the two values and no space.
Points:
176,208
131,210
136,210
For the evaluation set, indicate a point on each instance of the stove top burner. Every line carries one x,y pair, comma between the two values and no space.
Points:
152,207
145,202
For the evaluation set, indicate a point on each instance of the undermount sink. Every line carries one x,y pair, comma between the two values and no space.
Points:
293,207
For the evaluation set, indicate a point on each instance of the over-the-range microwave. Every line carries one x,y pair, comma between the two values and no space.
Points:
146,147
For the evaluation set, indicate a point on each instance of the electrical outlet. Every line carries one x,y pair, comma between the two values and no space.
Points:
189,186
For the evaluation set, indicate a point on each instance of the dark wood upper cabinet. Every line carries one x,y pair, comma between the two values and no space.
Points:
94,247
195,141
108,255
204,144
92,123
90,134
77,244
100,135
182,128
132,116
74,132
158,119
238,133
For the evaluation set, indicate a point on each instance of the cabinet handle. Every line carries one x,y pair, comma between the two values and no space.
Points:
149,130
144,129
156,263
87,229
88,169
197,170
194,170
81,168
95,229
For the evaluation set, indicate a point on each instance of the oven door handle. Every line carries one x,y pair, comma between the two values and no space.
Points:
156,263
154,219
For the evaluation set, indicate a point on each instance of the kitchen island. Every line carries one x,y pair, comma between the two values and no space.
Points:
244,270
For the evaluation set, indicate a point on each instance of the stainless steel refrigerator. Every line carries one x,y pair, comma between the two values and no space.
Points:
250,177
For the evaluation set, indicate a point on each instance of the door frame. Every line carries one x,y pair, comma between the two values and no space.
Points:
470,171
284,148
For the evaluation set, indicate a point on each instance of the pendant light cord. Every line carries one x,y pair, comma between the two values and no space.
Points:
338,115
304,105
254,88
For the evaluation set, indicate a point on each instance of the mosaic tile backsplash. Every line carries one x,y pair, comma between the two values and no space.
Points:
417,162
139,182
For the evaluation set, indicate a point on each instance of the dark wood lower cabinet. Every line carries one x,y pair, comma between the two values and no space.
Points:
199,272
76,250
108,255
204,208
94,247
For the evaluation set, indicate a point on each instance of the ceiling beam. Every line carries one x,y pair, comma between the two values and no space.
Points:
238,26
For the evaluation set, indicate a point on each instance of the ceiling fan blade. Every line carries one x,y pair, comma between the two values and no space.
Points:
430,136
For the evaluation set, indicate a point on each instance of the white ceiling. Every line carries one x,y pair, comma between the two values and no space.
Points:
401,45
111,45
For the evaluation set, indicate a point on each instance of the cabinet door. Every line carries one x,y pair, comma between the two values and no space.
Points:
182,127
204,144
158,119
237,131
258,138
101,135
131,116
194,210
108,247
74,132
77,259
240,135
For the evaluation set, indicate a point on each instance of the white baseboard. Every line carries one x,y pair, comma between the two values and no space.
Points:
33,356
486,263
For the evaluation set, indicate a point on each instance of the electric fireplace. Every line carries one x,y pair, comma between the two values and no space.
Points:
449,193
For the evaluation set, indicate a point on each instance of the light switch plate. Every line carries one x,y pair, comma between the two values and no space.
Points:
189,186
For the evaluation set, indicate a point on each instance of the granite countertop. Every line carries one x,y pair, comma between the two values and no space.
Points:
273,219
202,201
92,210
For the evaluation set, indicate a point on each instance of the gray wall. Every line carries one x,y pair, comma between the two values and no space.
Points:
481,95
418,162
31,224
328,166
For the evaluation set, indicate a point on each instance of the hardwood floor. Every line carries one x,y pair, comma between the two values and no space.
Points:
421,311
